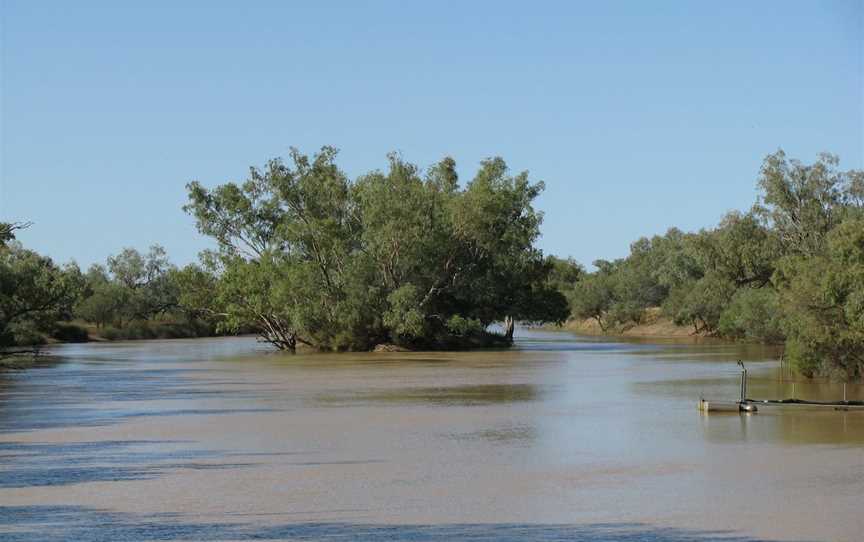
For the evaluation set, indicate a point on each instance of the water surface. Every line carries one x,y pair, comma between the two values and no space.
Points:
560,438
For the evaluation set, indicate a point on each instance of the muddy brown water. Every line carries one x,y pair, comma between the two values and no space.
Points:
560,438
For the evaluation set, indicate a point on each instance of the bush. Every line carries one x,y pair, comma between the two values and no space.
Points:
463,327
700,303
70,333
753,314
24,334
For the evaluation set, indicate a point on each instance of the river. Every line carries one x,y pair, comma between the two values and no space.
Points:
560,438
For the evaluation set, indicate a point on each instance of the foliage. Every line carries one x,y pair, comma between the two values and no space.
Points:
145,280
619,292
740,249
564,272
592,297
134,286
790,269
104,301
34,293
803,203
700,303
307,256
70,333
823,298
7,231
395,256
753,314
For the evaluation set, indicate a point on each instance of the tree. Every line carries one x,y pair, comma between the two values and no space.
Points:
196,288
395,256
7,231
564,273
700,303
803,203
103,300
146,282
753,314
740,249
823,298
593,296
34,292
133,286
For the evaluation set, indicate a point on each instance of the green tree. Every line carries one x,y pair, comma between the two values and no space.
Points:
803,202
34,292
700,303
564,273
103,300
146,281
311,257
740,250
753,314
593,296
7,231
823,297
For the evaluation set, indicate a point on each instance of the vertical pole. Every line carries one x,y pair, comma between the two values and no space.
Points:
844,393
781,368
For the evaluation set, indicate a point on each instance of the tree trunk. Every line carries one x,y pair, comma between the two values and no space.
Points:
509,324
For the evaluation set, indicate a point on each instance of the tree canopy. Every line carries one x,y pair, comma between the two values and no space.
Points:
402,255
789,269
824,300
34,292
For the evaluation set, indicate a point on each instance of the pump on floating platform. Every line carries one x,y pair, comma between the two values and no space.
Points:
742,405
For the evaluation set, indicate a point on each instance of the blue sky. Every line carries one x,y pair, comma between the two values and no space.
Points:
637,115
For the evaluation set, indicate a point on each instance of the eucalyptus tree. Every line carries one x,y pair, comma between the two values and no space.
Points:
34,292
401,255
803,202
8,229
823,300
104,300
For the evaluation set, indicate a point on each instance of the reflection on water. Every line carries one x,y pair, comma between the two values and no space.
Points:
560,438
443,396
509,435
786,424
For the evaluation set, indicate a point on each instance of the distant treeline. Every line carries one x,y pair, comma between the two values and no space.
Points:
307,256
790,269
134,296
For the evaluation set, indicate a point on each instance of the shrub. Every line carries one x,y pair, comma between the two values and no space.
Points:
70,333
753,314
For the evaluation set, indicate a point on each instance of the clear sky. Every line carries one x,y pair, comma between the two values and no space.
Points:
637,115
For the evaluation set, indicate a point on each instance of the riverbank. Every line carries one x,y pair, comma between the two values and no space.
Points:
654,325
78,331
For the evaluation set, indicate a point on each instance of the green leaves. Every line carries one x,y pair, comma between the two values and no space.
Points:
403,318
823,298
34,292
804,202
400,255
